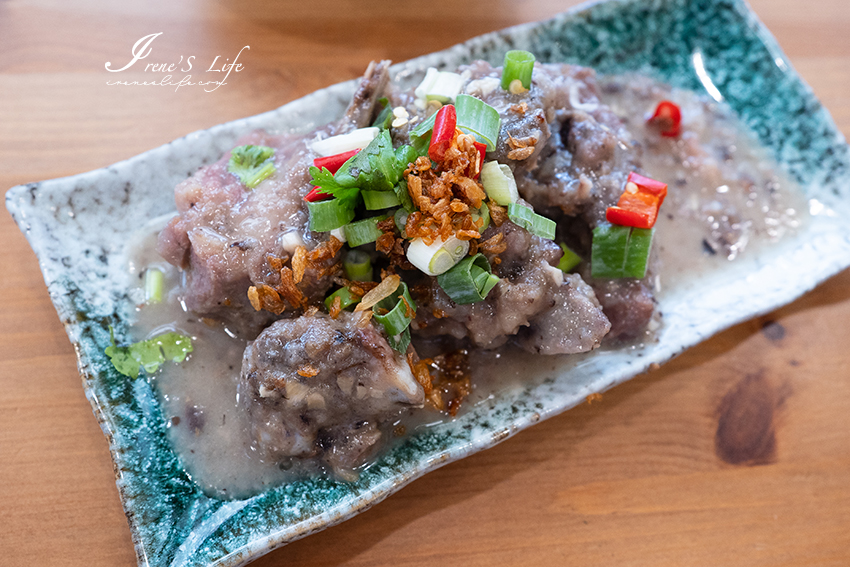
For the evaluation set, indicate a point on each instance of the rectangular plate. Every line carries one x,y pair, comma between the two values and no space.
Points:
77,227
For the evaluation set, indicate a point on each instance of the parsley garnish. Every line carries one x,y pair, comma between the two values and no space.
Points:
378,167
251,164
149,354
326,180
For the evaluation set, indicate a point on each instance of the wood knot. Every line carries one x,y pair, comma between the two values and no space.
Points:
745,428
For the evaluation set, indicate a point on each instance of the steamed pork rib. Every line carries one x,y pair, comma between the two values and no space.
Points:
570,155
437,248
226,233
560,312
567,150
314,385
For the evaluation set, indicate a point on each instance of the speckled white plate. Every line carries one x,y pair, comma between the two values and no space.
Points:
78,226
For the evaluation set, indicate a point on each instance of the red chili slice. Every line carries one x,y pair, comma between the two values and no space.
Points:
649,185
334,162
445,124
668,117
638,205
316,194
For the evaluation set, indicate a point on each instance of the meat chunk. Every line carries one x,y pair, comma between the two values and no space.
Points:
372,86
317,386
628,303
225,234
532,292
567,150
574,323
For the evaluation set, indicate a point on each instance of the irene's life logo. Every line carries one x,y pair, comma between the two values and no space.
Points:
141,50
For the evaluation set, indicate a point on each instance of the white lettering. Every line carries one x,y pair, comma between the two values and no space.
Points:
138,52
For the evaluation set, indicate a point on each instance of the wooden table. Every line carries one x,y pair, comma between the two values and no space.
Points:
736,453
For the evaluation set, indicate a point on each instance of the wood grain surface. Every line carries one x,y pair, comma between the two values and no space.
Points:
736,453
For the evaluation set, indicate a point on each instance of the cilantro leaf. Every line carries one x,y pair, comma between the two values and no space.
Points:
149,354
251,164
326,181
378,167
385,117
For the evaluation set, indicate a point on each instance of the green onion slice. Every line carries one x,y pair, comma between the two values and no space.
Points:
445,87
420,137
620,251
439,256
518,65
154,284
330,214
377,200
346,298
400,218
478,118
363,231
481,213
400,342
395,313
469,281
424,128
499,183
358,266
531,221
569,260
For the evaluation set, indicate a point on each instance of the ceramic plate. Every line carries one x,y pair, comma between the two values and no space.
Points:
77,227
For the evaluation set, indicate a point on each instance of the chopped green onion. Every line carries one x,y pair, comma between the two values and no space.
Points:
251,164
518,65
637,258
445,88
330,214
620,251
469,281
400,342
569,260
395,313
400,218
377,200
358,266
363,231
356,139
346,298
499,183
420,137
438,257
481,213
154,283
424,127
531,221
479,118
430,78
339,234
